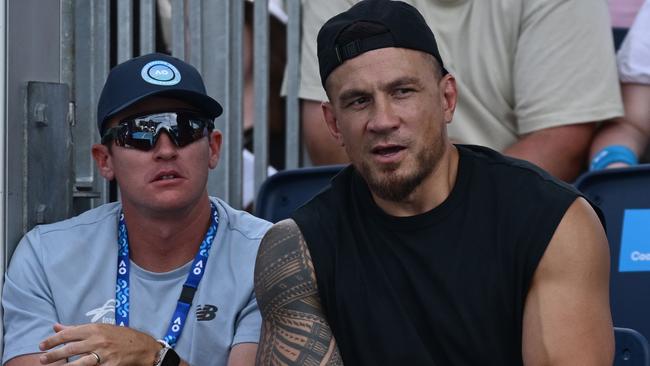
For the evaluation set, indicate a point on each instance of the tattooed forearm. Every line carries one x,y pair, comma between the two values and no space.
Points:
294,330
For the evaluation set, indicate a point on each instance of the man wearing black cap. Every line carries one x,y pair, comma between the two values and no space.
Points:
163,277
422,252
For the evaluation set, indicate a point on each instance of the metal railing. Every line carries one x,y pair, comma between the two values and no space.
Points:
92,36
209,35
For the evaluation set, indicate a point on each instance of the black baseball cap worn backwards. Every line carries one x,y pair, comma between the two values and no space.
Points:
153,74
406,28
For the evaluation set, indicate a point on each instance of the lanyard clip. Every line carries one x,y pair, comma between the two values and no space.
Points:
187,294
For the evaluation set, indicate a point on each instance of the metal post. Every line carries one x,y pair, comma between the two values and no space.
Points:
178,29
124,30
194,57
261,84
147,26
100,69
3,147
235,102
66,66
292,143
214,70
90,37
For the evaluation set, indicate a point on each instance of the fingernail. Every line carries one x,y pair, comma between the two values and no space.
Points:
41,346
43,359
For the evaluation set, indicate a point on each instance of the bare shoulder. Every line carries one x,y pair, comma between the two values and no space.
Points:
567,306
294,328
580,235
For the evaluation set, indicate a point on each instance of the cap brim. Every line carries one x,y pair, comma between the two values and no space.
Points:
198,100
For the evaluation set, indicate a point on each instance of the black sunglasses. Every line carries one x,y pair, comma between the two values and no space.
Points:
142,132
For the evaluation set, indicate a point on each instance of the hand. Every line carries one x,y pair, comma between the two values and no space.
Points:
114,345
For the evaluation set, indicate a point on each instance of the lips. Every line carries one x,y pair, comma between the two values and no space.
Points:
387,150
166,175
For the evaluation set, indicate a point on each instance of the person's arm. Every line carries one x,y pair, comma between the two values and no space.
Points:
561,151
321,146
242,354
294,328
567,319
113,344
631,130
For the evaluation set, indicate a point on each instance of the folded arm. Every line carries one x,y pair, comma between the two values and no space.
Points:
294,328
562,151
114,345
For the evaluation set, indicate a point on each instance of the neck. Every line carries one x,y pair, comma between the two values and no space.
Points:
163,242
433,190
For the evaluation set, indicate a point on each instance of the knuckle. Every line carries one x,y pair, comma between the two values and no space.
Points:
72,348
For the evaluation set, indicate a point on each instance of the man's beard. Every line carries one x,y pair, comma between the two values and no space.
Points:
391,186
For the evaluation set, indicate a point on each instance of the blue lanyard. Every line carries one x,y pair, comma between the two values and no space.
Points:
177,322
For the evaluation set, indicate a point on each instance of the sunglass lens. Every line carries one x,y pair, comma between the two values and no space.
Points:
142,132
139,140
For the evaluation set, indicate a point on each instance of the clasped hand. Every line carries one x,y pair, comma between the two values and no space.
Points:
99,344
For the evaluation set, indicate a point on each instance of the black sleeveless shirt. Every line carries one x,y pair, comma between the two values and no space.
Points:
446,287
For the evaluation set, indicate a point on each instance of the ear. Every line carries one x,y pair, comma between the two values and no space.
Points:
331,121
104,160
449,96
214,141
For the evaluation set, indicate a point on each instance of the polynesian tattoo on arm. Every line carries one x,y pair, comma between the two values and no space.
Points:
294,328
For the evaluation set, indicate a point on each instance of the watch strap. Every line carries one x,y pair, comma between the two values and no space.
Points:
170,358
166,356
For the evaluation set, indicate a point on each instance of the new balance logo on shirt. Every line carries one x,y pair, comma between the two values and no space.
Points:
106,313
206,312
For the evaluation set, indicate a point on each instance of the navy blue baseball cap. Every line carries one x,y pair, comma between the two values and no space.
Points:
404,27
153,74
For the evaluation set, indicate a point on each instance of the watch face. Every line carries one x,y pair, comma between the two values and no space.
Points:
170,358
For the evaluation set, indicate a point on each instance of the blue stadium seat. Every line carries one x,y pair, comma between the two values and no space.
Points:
287,190
631,348
624,197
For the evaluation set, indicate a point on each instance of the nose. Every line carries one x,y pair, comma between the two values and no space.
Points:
383,118
165,149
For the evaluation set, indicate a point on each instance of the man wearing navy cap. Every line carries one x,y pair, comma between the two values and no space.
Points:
422,252
163,277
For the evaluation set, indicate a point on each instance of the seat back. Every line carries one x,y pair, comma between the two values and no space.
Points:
287,190
624,197
631,348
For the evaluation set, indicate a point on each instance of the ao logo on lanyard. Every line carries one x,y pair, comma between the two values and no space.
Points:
184,303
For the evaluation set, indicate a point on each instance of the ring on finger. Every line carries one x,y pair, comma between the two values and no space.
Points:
97,358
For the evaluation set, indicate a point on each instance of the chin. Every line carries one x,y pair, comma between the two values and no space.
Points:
393,183
164,202
396,181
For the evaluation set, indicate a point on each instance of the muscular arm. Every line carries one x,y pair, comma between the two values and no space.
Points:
562,151
567,319
294,329
242,354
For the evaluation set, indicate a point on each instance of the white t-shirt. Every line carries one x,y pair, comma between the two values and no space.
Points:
634,54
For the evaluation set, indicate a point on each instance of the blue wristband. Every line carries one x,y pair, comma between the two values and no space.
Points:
613,154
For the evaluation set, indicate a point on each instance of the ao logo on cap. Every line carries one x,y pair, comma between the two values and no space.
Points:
161,73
